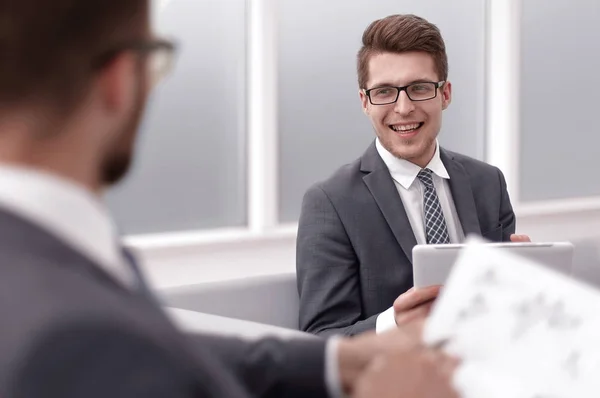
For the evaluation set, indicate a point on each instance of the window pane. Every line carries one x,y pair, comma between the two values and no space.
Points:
559,99
189,173
318,42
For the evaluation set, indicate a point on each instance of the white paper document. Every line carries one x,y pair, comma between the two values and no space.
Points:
521,330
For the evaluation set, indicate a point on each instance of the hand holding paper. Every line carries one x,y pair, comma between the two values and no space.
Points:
521,329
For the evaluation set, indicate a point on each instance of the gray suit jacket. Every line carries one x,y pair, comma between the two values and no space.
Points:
354,245
70,330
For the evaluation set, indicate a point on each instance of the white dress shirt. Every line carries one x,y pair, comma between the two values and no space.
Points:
78,217
411,190
68,211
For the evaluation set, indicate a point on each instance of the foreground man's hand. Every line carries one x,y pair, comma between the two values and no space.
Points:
415,304
416,373
356,353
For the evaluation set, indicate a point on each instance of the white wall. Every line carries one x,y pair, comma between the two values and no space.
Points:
207,257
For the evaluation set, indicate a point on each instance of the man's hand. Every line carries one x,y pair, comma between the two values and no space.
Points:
520,238
417,373
356,353
415,304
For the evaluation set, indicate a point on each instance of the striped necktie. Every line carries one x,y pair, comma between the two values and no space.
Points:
435,224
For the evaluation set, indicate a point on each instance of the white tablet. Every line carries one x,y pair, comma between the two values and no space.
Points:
432,263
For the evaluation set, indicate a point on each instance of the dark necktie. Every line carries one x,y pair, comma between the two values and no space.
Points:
140,284
435,224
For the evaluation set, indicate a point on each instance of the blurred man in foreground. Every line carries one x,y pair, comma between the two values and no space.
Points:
77,319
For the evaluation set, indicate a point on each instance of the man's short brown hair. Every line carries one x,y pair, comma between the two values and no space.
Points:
48,47
398,34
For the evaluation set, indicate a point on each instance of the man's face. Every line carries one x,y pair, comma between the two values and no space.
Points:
407,129
119,156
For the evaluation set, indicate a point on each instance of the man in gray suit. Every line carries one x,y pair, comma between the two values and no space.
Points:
357,229
77,319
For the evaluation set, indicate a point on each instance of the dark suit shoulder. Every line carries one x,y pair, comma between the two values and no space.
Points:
474,167
486,180
342,181
63,324
46,293
100,359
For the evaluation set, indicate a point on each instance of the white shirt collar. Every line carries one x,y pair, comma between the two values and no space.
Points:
405,172
67,210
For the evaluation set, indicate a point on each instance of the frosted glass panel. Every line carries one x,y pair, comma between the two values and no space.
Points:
318,42
190,170
559,99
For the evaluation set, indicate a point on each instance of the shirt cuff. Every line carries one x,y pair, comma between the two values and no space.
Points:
332,369
385,321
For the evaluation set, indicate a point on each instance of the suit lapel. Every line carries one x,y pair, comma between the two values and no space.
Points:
380,184
460,186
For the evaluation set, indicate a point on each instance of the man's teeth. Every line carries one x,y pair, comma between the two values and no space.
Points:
406,127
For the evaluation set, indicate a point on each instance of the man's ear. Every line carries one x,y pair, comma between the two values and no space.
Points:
364,100
117,82
446,95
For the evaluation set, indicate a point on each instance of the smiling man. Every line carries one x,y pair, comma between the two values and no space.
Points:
357,229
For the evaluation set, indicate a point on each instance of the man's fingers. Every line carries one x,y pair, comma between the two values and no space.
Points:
415,328
447,364
425,373
520,238
428,306
413,315
415,298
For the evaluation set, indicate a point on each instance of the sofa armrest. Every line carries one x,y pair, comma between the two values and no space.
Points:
192,321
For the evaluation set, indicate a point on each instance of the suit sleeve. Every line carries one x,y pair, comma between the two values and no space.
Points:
327,271
271,367
507,215
99,361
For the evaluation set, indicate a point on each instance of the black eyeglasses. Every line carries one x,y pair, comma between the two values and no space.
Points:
160,53
421,91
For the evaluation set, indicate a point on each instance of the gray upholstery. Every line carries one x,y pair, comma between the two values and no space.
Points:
269,299
198,322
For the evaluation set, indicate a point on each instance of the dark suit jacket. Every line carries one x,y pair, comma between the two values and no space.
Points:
354,245
70,330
